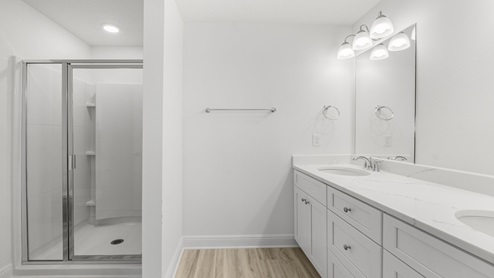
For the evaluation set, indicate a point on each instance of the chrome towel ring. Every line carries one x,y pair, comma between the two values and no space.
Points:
379,114
325,111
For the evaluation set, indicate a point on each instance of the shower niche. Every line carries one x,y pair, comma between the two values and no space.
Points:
82,166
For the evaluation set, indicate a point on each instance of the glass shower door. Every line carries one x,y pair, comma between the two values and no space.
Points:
106,182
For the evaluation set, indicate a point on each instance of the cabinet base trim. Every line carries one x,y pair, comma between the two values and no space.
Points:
239,241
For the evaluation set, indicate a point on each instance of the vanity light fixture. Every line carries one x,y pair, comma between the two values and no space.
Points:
111,28
381,27
399,42
362,40
379,53
346,51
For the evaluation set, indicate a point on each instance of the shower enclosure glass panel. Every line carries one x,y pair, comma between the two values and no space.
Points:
82,161
106,127
44,161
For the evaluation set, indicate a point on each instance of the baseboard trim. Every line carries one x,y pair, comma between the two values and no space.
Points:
239,241
177,256
6,271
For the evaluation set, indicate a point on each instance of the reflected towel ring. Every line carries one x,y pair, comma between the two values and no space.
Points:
325,110
378,109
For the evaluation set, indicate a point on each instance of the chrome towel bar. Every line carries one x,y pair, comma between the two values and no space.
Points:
209,110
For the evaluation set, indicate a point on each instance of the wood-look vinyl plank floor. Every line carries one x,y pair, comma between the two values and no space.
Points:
246,263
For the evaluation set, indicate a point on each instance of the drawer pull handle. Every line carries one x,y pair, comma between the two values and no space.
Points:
307,202
345,209
347,247
304,200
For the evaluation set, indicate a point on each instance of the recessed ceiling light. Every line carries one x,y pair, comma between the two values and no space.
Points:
111,28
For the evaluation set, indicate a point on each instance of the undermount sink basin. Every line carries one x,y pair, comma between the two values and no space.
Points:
344,171
479,220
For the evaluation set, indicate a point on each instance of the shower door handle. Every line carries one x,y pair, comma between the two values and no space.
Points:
72,162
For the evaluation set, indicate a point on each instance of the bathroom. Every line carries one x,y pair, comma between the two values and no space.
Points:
208,182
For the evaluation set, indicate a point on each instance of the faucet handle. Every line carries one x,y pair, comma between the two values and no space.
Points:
376,167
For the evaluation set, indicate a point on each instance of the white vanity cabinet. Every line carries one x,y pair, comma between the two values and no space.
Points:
394,268
310,221
429,256
359,254
346,238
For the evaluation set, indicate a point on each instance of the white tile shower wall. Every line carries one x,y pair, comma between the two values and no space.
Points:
44,156
118,150
83,137
238,164
454,91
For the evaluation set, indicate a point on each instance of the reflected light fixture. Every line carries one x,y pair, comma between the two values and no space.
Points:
414,34
111,28
379,53
362,40
399,42
381,27
346,51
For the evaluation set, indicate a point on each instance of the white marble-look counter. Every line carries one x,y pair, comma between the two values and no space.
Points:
428,206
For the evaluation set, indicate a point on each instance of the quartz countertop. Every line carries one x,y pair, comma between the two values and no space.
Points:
428,206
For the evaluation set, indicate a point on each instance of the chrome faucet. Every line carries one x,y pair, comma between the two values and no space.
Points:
368,162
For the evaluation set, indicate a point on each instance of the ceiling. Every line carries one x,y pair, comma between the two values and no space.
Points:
338,12
84,19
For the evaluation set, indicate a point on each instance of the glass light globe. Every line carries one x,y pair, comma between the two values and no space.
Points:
379,53
345,51
381,27
399,42
362,41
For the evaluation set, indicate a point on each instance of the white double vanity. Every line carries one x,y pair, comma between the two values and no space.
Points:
357,223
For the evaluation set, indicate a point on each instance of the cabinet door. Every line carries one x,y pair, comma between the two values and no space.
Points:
392,268
336,268
318,235
302,219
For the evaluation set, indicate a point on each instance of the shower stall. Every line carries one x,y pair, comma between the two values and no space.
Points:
81,161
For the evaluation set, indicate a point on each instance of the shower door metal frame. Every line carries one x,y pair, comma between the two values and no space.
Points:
68,159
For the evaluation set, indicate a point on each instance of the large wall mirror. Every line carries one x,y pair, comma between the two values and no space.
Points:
385,98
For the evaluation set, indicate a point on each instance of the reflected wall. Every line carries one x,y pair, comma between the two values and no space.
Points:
385,102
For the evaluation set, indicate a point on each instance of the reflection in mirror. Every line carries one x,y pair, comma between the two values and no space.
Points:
385,98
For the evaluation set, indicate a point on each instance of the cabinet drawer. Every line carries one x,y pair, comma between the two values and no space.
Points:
430,256
314,188
360,255
336,268
363,217
393,268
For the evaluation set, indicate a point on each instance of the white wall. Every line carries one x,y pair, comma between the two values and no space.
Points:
30,35
454,79
162,137
237,170
389,82
5,153
116,52
172,136
34,36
